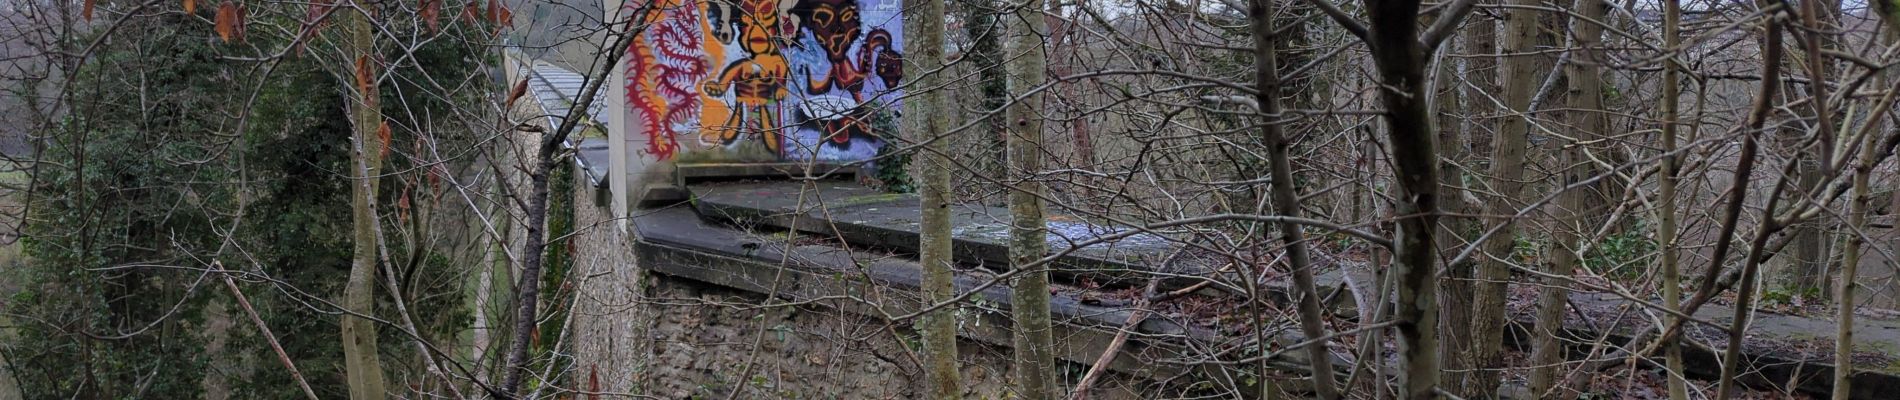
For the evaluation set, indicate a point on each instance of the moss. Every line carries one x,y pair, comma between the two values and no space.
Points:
865,199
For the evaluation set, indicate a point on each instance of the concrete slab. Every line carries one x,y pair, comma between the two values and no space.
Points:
1109,255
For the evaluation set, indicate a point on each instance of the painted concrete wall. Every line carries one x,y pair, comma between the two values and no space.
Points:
720,81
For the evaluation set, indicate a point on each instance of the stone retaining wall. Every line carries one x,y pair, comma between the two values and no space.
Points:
649,334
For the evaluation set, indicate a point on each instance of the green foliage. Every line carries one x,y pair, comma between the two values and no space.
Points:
101,306
558,261
1623,255
1526,249
893,167
149,181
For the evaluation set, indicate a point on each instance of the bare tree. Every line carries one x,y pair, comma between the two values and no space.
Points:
1028,234
1285,197
929,117
1586,123
1666,188
1401,54
369,139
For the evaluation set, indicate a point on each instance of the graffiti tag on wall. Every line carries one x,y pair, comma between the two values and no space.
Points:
765,80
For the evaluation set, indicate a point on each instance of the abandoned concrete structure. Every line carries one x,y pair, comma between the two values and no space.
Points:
780,278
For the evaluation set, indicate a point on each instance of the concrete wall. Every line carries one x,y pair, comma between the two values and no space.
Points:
650,334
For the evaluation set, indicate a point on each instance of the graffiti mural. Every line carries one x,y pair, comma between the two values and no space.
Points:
765,80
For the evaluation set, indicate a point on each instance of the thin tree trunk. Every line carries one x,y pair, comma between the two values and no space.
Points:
1509,144
547,152
984,53
1771,74
1586,121
528,285
264,330
1856,227
928,113
1807,274
1400,53
1456,227
1666,229
362,366
1856,231
1285,199
1035,345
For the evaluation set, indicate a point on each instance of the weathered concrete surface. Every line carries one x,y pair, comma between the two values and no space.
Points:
866,217
704,335
678,243
1781,352
737,268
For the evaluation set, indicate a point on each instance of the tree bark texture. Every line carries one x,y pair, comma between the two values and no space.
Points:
1666,186
1586,122
928,118
1401,61
1035,346
360,359
1286,199
1509,143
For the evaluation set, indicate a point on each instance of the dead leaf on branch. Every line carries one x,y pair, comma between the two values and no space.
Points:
520,89
431,11
365,74
383,134
472,13
227,21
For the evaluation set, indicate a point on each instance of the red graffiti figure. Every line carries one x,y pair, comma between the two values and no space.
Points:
664,68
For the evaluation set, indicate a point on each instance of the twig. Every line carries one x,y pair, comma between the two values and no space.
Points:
1121,338
264,329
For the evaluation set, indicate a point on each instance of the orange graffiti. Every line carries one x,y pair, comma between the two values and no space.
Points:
756,81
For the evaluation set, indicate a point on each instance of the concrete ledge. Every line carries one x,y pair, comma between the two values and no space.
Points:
677,243
690,172
686,244
867,217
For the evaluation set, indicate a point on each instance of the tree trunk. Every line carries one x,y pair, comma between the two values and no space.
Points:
1285,199
1666,207
363,367
1586,121
547,152
1856,225
1856,228
1035,345
984,53
928,115
1517,78
1454,229
1770,75
1399,53
1807,274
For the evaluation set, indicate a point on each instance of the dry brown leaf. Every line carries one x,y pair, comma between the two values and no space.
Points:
297,45
402,206
521,89
382,133
472,12
86,11
365,75
243,22
191,6
431,10
317,13
226,21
